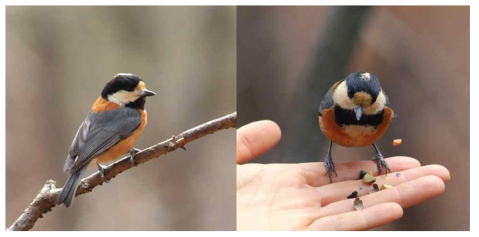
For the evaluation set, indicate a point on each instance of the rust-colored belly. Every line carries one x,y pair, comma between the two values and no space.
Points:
354,135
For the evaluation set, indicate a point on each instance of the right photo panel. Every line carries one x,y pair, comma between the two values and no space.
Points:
353,118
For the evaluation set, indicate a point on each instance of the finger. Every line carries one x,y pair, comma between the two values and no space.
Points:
339,191
365,219
255,139
315,172
406,194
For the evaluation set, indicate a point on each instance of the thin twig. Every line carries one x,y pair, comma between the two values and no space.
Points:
46,198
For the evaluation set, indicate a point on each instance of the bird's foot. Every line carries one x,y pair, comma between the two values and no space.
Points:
101,168
379,159
132,153
330,169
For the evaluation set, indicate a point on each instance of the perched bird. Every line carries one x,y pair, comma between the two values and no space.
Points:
114,123
355,113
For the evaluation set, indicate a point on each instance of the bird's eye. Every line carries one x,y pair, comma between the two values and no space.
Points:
350,94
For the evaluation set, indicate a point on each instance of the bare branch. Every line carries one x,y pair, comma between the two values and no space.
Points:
46,198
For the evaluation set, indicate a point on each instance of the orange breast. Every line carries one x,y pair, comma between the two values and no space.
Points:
121,148
338,134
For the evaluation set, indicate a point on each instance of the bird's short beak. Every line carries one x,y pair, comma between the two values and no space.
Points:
359,112
146,92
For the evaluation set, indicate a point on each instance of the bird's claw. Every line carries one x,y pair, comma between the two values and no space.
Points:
330,169
101,168
380,162
132,153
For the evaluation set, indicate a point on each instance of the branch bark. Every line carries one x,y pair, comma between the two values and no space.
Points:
46,198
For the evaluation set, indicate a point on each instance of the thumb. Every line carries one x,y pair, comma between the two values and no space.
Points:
255,139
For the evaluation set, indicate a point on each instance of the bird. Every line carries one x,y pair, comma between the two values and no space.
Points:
355,112
110,130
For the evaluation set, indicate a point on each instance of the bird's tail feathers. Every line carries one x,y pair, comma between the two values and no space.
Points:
69,190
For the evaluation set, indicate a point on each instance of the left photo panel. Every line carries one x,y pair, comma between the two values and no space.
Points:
120,118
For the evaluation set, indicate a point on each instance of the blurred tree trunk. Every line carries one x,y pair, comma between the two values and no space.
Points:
335,46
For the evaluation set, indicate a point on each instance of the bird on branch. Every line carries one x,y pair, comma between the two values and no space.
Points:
110,130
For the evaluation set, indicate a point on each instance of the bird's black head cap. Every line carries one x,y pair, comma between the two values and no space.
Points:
363,82
121,81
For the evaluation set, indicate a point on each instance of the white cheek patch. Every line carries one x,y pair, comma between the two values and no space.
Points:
123,97
340,97
378,106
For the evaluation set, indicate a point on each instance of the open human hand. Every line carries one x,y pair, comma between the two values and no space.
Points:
300,197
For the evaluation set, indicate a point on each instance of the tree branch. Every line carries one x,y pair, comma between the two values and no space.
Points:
46,198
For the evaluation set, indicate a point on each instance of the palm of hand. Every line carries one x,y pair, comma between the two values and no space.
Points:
300,197
277,195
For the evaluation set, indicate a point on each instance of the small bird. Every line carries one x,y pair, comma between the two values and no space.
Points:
355,113
113,125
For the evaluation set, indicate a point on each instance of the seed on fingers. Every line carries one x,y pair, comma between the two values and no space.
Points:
353,195
406,194
369,178
385,186
358,204
362,173
314,172
338,191
376,187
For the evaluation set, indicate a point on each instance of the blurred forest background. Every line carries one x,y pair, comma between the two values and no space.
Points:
288,57
59,59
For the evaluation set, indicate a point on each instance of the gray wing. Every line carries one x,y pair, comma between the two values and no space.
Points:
98,133
77,143
327,101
